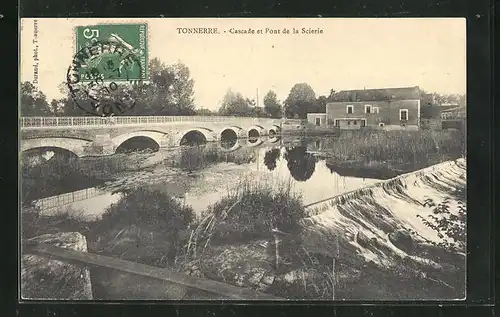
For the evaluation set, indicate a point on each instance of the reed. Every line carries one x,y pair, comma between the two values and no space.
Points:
397,146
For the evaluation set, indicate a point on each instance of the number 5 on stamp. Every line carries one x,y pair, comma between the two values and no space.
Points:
129,63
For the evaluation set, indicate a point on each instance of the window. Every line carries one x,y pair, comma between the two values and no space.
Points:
318,121
337,123
348,122
403,114
350,108
381,124
368,108
355,122
363,123
375,110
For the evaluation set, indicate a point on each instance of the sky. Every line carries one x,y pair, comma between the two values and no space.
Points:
349,54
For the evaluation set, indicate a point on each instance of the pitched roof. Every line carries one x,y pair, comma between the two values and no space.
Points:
378,94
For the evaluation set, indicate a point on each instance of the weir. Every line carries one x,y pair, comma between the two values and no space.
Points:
445,171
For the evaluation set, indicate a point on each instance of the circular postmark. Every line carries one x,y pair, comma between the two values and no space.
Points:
104,78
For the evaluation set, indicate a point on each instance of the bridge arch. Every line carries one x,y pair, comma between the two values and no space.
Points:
254,141
195,136
157,139
230,147
256,131
229,136
74,145
274,130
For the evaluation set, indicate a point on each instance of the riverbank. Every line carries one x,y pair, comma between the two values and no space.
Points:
371,243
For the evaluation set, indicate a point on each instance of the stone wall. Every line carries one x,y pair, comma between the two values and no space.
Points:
43,278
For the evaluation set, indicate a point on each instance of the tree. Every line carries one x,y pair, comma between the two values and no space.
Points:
33,102
321,104
169,92
272,106
234,104
181,89
300,100
204,112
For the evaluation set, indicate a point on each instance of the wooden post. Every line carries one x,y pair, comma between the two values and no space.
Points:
276,242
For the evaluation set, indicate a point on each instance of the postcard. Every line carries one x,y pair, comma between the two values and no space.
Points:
243,159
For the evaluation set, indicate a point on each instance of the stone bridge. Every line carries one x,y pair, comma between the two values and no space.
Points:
93,136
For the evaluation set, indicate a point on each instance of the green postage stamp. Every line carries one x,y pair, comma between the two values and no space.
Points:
119,52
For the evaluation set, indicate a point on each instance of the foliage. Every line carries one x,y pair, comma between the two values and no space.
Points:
235,104
272,106
61,174
400,147
450,225
33,102
432,98
195,158
251,211
204,112
146,225
170,92
300,100
33,223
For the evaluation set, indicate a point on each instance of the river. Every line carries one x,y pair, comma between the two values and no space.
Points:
202,175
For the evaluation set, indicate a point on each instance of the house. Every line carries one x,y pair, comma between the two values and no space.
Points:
430,117
386,108
318,119
451,111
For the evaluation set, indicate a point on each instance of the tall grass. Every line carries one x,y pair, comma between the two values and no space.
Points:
61,175
198,157
248,212
397,146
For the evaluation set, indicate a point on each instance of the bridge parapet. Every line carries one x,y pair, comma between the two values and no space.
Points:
87,122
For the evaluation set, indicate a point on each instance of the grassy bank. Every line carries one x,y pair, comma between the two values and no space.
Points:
61,175
386,154
234,242
397,146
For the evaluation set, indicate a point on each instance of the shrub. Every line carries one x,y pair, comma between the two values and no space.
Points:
145,225
449,225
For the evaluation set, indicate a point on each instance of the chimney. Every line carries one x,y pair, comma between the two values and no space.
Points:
353,96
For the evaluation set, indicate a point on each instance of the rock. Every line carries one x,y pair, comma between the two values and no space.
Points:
402,239
44,278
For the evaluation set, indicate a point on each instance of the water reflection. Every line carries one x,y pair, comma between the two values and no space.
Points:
301,164
196,158
271,157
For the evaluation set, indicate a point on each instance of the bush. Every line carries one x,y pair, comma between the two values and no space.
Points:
145,225
253,209
449,225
